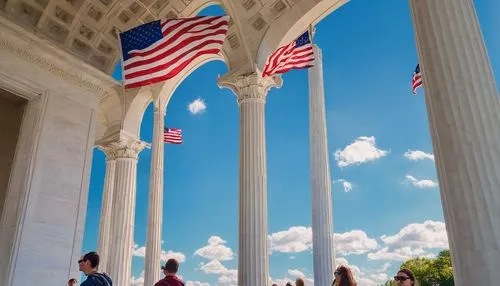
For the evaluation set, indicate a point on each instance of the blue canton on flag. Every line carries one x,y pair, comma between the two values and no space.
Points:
296,55
140,38
303,40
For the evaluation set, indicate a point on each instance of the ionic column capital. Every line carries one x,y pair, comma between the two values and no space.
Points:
123,148
250,86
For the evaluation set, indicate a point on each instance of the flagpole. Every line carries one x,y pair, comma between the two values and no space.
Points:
117,32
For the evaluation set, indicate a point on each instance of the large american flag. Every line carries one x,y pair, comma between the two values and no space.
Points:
296,55
416,82
159,50
172,135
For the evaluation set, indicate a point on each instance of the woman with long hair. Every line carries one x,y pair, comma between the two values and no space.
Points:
405,277
344,277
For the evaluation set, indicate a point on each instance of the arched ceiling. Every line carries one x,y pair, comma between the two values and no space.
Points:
87,28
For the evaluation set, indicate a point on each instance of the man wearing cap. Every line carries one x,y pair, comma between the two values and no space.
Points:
170,269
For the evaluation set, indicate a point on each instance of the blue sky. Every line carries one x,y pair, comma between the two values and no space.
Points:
388,208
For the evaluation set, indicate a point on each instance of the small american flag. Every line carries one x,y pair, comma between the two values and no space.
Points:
417,79
296,55
172,135
159,50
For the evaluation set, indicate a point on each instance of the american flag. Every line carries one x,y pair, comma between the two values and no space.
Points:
172,135
416,82
296,55
159,50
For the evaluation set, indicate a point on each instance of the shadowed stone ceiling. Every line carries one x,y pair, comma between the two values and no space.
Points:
88,28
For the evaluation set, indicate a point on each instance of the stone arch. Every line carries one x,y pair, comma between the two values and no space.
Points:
196,6
161,92
293,23
136,102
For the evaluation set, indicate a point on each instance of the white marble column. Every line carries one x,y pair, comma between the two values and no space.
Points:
464,116
251,91
122,233
106,207
155,208
322,219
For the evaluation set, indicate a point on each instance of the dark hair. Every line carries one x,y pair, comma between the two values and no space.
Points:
72,280
299,282
93,257
407,272
172,266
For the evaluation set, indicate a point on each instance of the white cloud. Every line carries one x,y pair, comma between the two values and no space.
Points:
215,250
411,241
137,281
400,254
296,273
140,251
295,239
421,183
214,267
354,242
226,276
229,278
197,283
292,257
416,155
197,106
362,150
216,240
170,254
380,277
346,184
299,238
291,276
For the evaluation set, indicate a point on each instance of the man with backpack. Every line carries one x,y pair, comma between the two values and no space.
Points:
88,264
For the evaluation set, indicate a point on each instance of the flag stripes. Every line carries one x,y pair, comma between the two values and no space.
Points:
170,45
296,55
172,135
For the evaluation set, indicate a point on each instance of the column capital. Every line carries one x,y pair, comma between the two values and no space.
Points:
109,151
249,86
123,148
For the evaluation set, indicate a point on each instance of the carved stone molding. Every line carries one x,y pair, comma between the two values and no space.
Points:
29,55
251,86
123,148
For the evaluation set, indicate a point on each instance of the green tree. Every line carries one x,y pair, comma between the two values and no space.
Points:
431,272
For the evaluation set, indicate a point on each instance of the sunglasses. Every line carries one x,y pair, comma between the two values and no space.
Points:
336,273
401,278
80,261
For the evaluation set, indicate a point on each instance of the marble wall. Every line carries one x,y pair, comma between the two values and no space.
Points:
41,228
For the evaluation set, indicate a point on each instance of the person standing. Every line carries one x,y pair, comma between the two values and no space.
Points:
72,282
88,264
170,270
405,277
344,277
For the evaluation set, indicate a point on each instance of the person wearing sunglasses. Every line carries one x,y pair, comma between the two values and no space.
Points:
88,264
343,277
405,278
